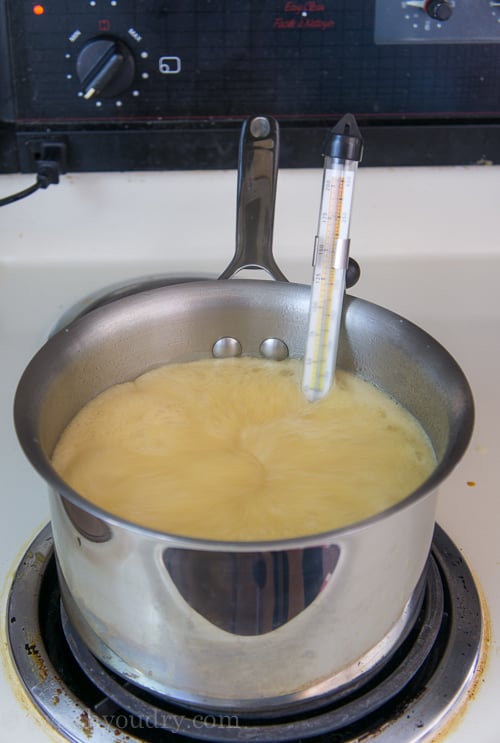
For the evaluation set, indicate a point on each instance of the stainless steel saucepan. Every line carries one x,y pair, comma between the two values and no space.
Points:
247,627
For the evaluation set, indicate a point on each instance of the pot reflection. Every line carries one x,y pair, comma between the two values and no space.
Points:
86,523
250,593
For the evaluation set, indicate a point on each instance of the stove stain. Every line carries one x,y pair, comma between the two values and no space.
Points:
34,653
455,716
35,557
19,692
7,664
86,725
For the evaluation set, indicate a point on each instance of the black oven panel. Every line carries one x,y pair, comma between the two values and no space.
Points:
191,69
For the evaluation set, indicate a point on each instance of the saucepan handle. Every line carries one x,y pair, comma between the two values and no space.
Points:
256,197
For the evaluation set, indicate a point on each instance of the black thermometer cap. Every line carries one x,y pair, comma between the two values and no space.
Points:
344,140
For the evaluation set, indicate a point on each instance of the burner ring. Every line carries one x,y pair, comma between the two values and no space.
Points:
331,712
452,646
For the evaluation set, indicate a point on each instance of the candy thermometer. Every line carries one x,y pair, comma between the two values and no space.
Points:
344,149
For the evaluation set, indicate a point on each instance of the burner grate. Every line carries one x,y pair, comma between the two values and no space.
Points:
421,684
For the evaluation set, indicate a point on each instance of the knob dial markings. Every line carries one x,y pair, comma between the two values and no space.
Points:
105,67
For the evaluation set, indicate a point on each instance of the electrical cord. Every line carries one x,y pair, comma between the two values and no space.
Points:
20,194
48,168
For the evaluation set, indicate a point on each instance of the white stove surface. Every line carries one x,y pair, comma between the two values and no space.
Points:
428,243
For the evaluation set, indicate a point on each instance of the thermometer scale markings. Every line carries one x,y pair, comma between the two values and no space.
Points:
324,280
331,258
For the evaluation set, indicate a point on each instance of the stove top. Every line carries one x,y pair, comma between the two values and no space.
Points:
409,697
427,242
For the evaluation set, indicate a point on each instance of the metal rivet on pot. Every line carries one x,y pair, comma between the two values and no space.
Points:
226,348
274,348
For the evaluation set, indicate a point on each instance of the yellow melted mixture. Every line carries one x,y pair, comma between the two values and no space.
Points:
231,450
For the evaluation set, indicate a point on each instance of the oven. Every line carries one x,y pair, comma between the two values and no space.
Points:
146,150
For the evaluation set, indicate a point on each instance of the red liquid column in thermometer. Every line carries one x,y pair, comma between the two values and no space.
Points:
331,256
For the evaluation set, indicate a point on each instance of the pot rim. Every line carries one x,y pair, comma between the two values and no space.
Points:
41,463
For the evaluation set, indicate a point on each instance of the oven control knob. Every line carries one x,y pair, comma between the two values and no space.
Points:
105,67
440,10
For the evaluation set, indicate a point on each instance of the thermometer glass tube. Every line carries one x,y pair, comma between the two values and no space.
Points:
331,256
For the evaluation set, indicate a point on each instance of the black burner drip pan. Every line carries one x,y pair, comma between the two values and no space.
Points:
420,687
